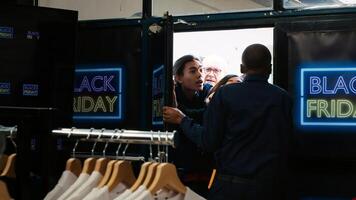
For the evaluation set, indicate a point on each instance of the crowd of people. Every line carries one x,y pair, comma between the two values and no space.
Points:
239,126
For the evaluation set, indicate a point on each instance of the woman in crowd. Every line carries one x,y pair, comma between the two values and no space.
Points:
228,79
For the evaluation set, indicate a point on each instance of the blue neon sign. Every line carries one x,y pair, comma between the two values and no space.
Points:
98,93
327,95
5,88
30,89
157,95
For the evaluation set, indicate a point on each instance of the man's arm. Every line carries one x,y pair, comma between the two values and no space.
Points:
210,135
191,129
214,118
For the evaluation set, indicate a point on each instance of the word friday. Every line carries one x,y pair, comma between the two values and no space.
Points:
328,98
85,104
340,108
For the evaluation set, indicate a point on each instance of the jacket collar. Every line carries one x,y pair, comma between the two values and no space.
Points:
256,77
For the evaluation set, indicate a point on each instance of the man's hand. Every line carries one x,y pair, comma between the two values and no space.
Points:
172,115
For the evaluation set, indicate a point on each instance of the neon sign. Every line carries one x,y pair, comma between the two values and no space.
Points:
157,95
327,95
6,32
30,89
5,88
98,94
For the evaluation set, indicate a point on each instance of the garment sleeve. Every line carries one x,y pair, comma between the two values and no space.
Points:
207,140
192,130
214,123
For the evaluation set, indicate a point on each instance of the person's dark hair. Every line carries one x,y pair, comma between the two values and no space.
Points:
222,82
178,66
256,57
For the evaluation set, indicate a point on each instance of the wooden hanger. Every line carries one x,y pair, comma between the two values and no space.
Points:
3,162
122,173
107,175
166,176
141,176
100,165
89,165
9,170
151,173
4,193
74,165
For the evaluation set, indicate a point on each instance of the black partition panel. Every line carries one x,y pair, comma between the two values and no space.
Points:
37,57
315,62
107,88
37,62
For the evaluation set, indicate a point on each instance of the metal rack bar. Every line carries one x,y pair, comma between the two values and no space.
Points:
119,136
130,158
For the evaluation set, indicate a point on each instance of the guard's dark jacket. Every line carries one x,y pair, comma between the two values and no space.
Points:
249,126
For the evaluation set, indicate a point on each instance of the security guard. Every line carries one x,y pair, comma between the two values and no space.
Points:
248,126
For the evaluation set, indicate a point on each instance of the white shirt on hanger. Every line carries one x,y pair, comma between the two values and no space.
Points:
162,194
137,193
85,189
189,195
66,180
91,194
83,177
104,194
124,195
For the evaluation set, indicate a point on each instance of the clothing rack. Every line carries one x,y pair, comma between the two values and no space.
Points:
119,136
8,131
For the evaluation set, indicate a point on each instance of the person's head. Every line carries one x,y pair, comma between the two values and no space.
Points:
233,79
256,59
228,79
187,72
213,68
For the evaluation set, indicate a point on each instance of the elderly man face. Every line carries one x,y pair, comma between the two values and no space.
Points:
212,75
213,67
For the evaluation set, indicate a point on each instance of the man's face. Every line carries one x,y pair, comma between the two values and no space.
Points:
192,76
212,74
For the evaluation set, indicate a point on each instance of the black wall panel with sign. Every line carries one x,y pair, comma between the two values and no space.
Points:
107,84
37,56
316,63
160,53
108,81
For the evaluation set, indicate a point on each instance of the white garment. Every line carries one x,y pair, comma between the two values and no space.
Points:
189,195
85,189
124,195
83,177
66,180
137,193
91,194
162,194
104,194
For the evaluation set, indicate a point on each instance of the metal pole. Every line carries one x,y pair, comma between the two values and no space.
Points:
125,136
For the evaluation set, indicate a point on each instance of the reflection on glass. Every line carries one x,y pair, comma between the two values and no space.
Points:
193,7
318,4
98,9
